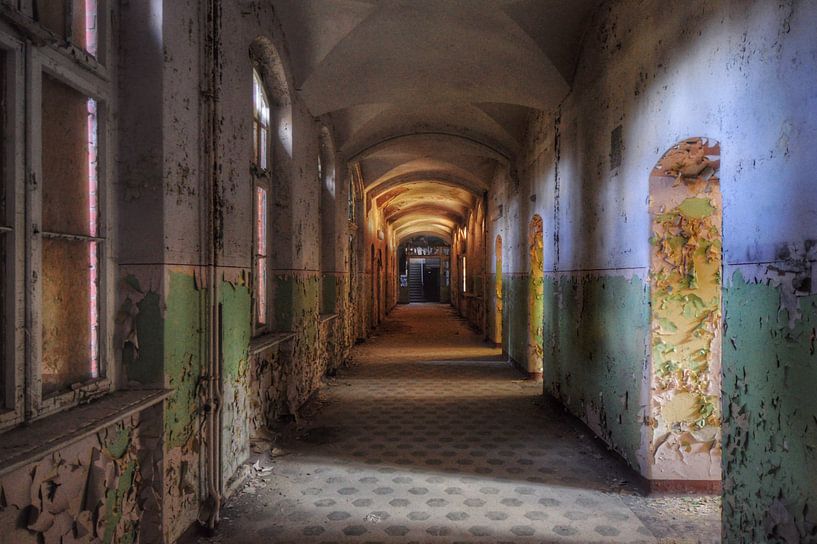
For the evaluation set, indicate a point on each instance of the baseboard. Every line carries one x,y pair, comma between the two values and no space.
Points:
532,376
643,485
686,487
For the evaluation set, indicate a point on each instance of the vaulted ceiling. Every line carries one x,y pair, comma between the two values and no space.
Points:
430,97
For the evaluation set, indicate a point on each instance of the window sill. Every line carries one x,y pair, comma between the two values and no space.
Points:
266,341
31,442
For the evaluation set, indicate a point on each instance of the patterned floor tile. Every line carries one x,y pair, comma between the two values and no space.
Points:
433,438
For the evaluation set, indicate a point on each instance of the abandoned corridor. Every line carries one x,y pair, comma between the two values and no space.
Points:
432,437
216,215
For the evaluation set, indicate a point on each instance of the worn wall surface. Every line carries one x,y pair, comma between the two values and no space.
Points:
651,75
101,489
470,242
686,320
189,141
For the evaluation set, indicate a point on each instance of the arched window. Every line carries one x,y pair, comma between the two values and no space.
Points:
270,166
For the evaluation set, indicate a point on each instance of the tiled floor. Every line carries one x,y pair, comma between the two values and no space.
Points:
430,437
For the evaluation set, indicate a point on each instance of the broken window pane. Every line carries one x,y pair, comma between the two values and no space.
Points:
70,283
72,20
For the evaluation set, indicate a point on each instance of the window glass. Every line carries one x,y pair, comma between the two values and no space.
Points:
66,325
4,224
261,254
65,144
69,274
73,20
260,124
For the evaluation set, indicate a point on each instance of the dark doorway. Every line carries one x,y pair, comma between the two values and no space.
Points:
431,280
424,279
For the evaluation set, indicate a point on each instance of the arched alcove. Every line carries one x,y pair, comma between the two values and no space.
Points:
373,280
685,293
498,304
536,308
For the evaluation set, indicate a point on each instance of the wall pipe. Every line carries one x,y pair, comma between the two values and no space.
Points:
212,241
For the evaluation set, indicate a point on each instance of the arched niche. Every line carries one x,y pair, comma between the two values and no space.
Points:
498,301
536,306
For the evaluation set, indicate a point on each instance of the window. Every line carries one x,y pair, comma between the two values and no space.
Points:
73,20
69,242
261,163
53,243
6,233
464,277
260,123
261,254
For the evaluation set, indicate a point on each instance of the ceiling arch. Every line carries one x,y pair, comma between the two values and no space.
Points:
446,236
431,97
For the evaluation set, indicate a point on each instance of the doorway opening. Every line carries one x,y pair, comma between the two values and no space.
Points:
686,321
424,279
424,262
498,293
536,293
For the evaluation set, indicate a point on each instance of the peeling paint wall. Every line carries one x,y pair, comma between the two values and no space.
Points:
495,318
236,309
163,305
686,321
651,75
536,294
770,419
100,489
596,331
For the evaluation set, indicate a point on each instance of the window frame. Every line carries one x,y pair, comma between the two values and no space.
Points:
258,121
26,65
261,180
42,63
259,327
12,364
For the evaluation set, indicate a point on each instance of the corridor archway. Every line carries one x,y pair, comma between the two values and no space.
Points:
536,308
685,292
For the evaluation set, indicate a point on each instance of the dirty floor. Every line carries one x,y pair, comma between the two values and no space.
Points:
431,437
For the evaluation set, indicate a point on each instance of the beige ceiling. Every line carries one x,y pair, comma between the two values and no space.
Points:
430,97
